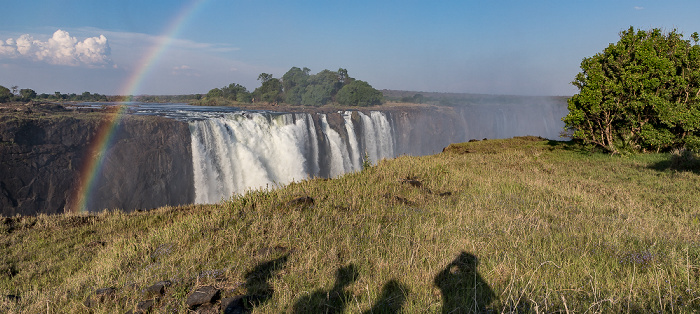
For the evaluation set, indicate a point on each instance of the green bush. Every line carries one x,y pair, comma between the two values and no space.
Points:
641,93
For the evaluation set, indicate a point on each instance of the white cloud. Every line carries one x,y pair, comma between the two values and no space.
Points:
185,70
61,49
638,8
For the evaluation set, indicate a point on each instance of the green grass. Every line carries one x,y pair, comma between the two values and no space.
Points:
501,225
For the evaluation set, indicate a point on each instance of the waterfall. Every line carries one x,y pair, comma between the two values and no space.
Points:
236,152
355,154
378,138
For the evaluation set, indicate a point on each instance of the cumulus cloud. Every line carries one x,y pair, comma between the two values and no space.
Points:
60,49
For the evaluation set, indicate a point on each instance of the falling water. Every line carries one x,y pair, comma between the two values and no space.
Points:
236,152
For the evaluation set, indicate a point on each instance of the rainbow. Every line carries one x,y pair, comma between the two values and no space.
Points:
103,138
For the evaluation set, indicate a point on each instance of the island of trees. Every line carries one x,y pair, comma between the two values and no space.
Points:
299,87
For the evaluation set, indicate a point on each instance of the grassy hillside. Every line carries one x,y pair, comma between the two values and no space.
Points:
498,225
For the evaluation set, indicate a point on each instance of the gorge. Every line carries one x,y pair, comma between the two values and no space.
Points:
171,154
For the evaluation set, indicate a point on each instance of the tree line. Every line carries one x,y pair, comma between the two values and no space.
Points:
300,87
27,94
15,94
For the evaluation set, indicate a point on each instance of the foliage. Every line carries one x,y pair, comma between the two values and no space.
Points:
640,94
295,77
317,95
27,94
416,99
5,94
270,91
298,87
359,93
231,93
322,88
520,225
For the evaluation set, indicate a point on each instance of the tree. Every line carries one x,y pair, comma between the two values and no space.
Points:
5,94
27,94
343,75
264,77
359,93
317,95
214,93
640,94
295,77
270,91
233,91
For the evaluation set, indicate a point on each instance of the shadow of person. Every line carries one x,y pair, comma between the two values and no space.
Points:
463,290
333,300
392,299
257,286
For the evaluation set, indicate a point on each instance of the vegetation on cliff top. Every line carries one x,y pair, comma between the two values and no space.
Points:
503,225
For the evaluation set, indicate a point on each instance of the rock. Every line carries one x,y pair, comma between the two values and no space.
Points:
164,283
144,306
208,308
154,291
202,295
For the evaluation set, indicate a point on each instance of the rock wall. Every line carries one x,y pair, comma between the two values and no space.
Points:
148,165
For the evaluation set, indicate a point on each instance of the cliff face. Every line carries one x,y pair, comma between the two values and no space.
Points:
40,158
148,165
149,161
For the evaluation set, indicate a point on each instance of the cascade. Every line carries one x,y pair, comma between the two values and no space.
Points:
236,152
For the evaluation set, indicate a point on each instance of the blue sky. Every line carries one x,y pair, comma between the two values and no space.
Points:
493,47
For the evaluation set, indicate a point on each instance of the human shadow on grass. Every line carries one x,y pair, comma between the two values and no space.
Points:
336,299
462,287
258,289
392,299
333,300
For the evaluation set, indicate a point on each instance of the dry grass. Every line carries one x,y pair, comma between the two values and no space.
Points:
501,225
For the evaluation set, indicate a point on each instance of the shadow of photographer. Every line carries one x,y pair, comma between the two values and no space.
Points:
257,286
392,299
333,300
336,299
462,287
